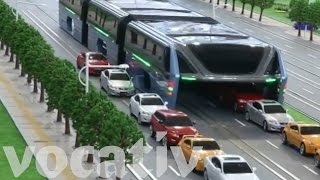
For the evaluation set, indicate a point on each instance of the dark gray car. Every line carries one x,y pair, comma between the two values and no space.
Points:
267,113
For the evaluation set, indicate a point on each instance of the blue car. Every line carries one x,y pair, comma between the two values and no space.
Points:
302,26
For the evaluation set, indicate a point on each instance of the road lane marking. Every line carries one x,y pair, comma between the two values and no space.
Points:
172,169
304,77
305,98
312,56
211,104
285,51
147,171
231,22
56,41
270,143
125,102
304,81
289,46
267,37
311,170
240,122
303,101
134,172
201,10
307,91
248,30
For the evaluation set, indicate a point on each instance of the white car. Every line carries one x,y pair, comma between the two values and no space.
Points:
228,167
117,82
143,105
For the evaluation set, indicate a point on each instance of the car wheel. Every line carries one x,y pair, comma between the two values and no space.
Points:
247,116
152,133
139,119
317,160
265,126
164,142
284,138
302,149
130,109
205,175
235,107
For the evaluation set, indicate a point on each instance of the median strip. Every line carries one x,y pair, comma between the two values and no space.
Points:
299,116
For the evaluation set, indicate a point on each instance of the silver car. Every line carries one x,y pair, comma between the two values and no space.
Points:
117,82
267,113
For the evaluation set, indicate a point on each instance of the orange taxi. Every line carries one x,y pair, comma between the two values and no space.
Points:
209,146
304,136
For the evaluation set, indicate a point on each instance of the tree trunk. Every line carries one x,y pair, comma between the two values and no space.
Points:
210,1
6,53
23,73
261,12
35,85
49,109
242,11
311,34
225,3
299,31
117,178
17,66
90,158
2,45
77,144
11,57
41,92
251,13
59,116
218,2
67,126
233,5
29,78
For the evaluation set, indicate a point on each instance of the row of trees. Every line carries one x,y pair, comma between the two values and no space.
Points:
262,4
304,12
94,117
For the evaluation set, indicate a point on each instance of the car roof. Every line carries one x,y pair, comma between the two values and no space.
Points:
171,112
117,71
149,95
268,102
230,158
303,124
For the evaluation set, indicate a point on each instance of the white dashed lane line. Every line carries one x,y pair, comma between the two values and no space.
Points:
271,144
242,124
289,46
175,171
308,91
312,56
311,170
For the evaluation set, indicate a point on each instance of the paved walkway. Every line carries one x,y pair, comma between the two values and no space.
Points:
268,21
37,126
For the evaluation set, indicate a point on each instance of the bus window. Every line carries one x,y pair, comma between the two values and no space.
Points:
273,68
154,49
134,37
184,67
145,43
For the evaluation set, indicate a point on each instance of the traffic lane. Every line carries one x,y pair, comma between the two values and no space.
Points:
248,26
254,136
211,130
255,31
300,73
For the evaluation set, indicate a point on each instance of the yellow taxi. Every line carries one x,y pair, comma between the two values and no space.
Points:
304,136
317,158
193,143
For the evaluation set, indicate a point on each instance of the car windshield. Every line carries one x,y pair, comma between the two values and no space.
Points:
271,109
178,121
236,168
310,130
119,76
244,59
207,145
97,57
152,101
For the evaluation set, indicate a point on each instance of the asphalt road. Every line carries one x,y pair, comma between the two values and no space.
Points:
262,150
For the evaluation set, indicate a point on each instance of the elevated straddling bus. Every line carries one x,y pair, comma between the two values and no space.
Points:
171,50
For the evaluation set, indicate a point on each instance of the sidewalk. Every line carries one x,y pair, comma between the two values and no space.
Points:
287,29
37,126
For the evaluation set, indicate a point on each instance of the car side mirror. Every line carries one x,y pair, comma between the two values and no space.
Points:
160,121
254,169
193,122
260,110
166,103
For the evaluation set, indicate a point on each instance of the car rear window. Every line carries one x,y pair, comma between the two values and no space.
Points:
97,57
119,76
236,168
271,109
152,101
178,121
207,145
310,130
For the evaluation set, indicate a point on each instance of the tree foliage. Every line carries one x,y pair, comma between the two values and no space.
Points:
298,12
264,4
313,16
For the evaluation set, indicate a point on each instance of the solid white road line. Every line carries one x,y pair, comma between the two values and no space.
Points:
304,77
270,143
312,85
305,98
172,169
286,51
240,122
267,37
147,171
312,56
303,101
134,172
307,91
289,46
125,102
309,169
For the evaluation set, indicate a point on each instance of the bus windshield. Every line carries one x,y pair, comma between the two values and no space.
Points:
228,58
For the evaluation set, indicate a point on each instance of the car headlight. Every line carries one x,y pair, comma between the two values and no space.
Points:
310,143
145,113
272,122
174,134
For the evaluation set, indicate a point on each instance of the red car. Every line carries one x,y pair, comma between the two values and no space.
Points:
241,100
95,58
174,123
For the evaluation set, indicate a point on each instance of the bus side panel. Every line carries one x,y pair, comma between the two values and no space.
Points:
101,43
70,23
284,79
174,77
